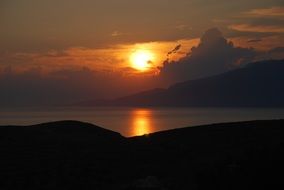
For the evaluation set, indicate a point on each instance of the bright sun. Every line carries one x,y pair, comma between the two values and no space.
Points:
141,60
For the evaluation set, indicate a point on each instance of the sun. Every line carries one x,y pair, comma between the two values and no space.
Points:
141,60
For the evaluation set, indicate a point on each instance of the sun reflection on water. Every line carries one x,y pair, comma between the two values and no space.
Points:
141,122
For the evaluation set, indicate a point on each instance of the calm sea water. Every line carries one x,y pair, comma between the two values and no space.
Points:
138,121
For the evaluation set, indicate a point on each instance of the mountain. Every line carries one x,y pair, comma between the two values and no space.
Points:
58,133
256,84
240,155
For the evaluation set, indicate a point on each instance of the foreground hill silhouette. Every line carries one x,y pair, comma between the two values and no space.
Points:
75,155
257,84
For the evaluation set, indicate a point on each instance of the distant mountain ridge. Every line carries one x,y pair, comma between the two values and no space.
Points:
259,84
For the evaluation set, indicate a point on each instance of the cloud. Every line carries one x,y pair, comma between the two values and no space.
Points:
266,43
56,77
254,40
117,34
183,27
266,12
213,55
257,28
78,73
266,48
112,58
265,20
174,50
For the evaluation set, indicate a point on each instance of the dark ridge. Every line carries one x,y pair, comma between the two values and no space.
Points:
70,126
221,134
74,155
226,126
61,131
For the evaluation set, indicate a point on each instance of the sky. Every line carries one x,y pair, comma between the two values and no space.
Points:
64,51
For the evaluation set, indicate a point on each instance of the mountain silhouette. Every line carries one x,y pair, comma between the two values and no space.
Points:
258,84
56,134
77,155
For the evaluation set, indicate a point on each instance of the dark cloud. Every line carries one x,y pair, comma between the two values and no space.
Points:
212,56
175,50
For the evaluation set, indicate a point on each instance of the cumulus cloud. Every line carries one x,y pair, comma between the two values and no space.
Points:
213,55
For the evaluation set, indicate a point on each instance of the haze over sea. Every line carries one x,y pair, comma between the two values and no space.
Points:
137,121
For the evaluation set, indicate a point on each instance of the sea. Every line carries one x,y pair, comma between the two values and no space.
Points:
137,121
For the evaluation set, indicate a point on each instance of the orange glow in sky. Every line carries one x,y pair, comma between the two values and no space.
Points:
142,59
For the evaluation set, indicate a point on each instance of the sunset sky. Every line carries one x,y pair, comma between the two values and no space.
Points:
64,51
